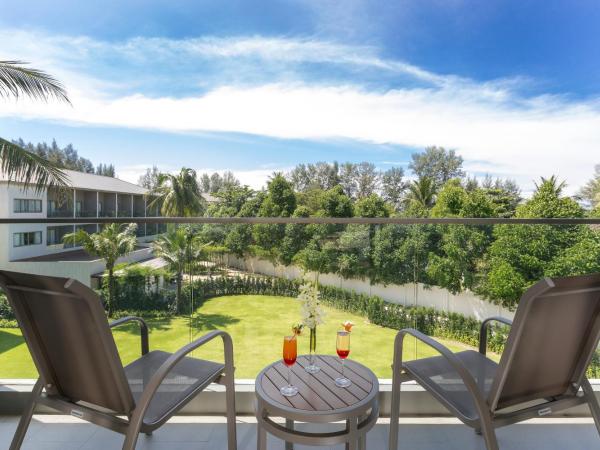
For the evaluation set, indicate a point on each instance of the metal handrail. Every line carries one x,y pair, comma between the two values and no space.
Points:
316,220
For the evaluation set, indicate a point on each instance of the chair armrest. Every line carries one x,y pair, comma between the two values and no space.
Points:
143,330
172,361
483,332
452,359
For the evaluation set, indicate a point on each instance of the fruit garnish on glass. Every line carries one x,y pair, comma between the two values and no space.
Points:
297,329
348,326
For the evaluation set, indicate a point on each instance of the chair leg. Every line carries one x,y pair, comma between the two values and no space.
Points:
230,411
489,434
395,412
131,438
26,417
592,401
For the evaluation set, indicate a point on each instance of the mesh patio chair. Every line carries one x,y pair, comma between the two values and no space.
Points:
550,345
70,341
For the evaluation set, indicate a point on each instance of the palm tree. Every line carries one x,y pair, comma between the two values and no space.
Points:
421,193
178,247
15,162
179,195
551,185
113,242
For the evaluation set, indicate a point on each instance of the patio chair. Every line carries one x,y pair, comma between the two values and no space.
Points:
550,345
81,374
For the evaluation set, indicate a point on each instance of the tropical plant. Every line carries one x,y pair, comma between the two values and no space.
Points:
15,162
113,242
421,193
179,247
178,194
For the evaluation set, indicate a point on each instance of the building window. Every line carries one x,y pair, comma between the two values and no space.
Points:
56,235
23,205
27,238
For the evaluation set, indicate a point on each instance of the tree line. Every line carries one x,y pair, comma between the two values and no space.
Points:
66,157
497,262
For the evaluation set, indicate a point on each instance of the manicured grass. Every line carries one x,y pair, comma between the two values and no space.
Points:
257,325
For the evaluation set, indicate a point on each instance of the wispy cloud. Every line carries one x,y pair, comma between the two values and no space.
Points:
492,124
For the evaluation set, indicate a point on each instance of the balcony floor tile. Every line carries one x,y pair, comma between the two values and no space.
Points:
209,433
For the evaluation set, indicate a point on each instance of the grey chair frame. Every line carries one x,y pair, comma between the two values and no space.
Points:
132,422
489,416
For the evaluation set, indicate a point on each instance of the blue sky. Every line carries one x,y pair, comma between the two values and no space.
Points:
257,86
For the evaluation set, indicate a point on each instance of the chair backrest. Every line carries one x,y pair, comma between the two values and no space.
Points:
66,331
551,343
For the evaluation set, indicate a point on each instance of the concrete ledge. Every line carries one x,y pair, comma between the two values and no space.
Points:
415,400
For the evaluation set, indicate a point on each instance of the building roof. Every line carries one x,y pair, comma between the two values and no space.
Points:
91,182
80,180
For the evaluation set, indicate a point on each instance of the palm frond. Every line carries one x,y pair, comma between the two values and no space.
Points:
18,164
16,80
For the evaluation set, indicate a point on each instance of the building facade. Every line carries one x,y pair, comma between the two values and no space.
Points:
39,248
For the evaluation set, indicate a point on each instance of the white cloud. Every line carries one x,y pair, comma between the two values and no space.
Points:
494,128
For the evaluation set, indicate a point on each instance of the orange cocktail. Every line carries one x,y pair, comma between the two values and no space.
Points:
290,353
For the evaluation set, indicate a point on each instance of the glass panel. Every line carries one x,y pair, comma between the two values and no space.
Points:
440,279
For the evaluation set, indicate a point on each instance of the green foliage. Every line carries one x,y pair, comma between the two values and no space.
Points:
437,164
521,254
113,242
372,206
179,248
6,312
178,195
137,288
581,258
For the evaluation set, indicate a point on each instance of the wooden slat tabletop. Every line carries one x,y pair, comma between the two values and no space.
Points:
318,392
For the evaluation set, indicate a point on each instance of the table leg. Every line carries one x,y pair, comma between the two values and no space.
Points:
261,438
289,424
362,440
352,427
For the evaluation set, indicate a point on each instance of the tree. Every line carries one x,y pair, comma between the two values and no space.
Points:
590,192
211,184
438,164
106,170
421,195
520,254
348,179
15,162
280,201
372,206
178,247
454,263
504,194
178,195
112,243
321,175
580,259
65,158
394,186
149,179
367,179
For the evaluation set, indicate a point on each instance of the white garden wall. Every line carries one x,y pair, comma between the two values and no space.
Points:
466,303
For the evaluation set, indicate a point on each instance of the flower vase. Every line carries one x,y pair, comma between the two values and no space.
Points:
312,367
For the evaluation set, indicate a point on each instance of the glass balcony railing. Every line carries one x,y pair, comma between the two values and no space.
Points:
60,213
442,277
86,213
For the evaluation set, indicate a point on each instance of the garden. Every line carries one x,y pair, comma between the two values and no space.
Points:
257,324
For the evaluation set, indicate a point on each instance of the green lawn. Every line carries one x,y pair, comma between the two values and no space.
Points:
257,325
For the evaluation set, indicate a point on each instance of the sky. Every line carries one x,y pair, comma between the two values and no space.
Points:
259,86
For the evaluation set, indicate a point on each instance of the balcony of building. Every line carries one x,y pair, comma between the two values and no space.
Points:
60,204
86,203
107,204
